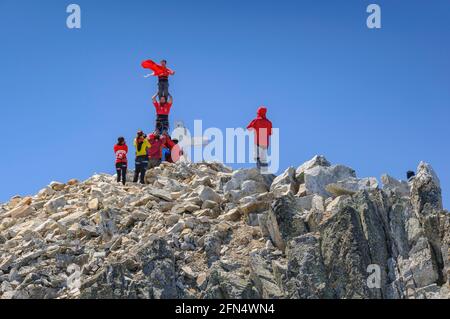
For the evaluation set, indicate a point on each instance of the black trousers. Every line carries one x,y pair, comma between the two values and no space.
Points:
163,88
140,169
121,169
162,124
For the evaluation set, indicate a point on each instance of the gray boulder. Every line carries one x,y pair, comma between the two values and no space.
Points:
351,186
285,183
317,160
426,196
285,221
318,177
307,275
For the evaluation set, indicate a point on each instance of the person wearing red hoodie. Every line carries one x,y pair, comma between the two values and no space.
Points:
163,108
157,143
121,151
263,130
163,73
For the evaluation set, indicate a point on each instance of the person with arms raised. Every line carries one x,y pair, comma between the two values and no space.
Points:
163,108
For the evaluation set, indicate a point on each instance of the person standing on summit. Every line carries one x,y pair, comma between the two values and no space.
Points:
121,151
142,147
163,108
163,73
263,130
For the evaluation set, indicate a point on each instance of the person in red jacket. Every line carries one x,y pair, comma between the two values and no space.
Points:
163,73
157,143
173,151
263,130
121,151
163,108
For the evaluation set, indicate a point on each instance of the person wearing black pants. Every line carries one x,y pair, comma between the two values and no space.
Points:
141,168
121,169
163,87
142,146
121,151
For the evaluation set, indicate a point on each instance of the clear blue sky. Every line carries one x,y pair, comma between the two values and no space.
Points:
376,100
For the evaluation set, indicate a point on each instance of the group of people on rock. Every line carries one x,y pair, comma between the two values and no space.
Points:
158,146
150,151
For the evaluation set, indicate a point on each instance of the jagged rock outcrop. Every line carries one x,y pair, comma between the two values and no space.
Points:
205,231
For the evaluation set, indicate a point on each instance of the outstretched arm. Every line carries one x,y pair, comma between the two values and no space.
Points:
170,99
154,97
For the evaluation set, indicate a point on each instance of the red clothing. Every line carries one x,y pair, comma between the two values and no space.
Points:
175,150
158,70
262,127
121,153
156,146
162,109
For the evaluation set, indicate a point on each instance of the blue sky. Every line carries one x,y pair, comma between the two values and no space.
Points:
376,100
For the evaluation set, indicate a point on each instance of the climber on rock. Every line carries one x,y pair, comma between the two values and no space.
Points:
163,73
157,143
263,130
142,146
171,151
163,108
121,151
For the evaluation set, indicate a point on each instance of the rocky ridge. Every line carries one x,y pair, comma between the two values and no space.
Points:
205,231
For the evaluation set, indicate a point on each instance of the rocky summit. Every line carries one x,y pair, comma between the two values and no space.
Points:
204,231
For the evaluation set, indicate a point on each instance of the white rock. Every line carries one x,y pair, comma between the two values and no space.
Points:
233,215
177,228
351,186
94,204
317,160
394,185
318,177
52,206
285,183
72,218
57,186
206,193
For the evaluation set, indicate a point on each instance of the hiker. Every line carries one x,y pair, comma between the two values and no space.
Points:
171,146
263,130
142,146
163,108
163,73
121,151
171,152
157,143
